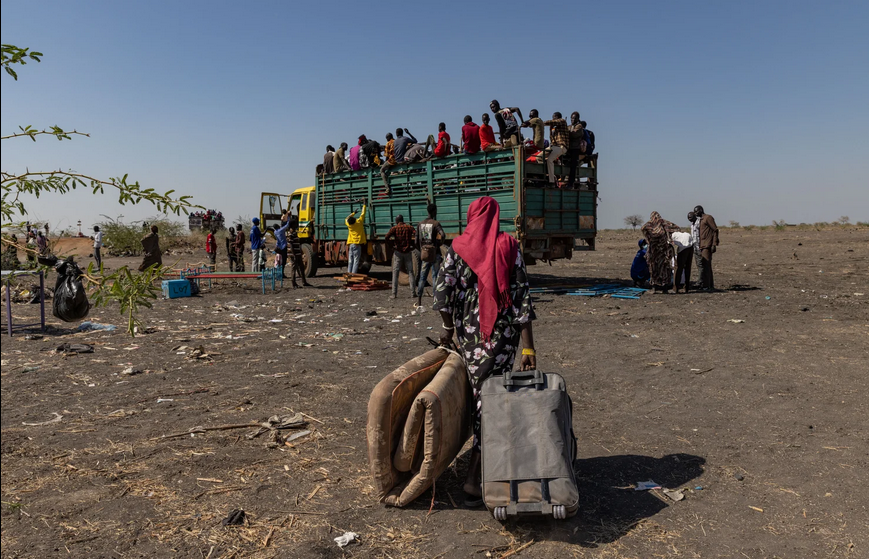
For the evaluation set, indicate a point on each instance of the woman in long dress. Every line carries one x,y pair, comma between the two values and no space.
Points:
483,296
660,252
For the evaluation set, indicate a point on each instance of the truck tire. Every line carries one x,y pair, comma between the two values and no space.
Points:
310,260
364,267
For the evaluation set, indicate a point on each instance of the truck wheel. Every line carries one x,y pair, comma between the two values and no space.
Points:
310,261
364,268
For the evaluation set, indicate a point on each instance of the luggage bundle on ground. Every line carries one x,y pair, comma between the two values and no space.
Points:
528,446
419,418
418,421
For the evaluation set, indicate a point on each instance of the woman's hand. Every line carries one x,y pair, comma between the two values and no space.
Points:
528,363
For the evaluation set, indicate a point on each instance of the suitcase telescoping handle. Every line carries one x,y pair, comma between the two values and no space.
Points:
533,378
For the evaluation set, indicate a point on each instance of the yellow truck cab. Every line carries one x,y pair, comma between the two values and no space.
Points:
301,203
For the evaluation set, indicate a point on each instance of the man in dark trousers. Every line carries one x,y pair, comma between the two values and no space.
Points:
239,248
429,238
708,232
508,126
403,234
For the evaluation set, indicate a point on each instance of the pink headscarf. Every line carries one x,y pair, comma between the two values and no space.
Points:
491,255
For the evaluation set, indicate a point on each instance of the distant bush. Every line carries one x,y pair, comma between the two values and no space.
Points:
734,224
844,220
779,225
634,221
125,238
863,224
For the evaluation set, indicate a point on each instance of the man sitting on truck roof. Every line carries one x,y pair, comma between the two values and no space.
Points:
356,239
537,124
470,136
328,160
339,164
559,140
508,128
487,135
401,143
443,147
389,156
354,155
369,153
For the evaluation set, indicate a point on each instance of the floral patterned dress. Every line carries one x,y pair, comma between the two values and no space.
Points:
456,292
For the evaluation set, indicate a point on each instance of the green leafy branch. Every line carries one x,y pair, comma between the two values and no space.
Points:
31,132
15,55
61,182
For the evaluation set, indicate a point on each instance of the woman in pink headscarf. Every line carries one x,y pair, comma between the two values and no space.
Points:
483,296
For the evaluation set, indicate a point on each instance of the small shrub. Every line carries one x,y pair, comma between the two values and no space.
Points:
734,224
124,238
844,220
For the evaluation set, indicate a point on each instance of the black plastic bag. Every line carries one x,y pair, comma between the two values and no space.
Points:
70,301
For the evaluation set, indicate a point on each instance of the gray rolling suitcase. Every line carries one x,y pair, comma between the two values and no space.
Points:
528,446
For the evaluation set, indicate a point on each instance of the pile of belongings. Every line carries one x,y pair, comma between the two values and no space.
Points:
361,282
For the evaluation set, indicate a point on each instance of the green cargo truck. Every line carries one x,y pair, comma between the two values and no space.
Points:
549,222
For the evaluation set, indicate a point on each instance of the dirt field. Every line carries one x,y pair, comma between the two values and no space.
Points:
764,422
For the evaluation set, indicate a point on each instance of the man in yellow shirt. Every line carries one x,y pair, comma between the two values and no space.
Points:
356,239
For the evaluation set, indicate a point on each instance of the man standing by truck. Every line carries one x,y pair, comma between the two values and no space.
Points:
257,247
356,239
402,234
429,237
239,249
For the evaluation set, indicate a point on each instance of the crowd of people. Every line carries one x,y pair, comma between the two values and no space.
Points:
664,258
572,141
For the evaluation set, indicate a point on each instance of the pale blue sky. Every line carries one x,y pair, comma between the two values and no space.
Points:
757,110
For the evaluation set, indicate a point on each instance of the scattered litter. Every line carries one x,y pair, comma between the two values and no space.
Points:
646,485
298,435
75,348
33,337
698,488
161,400
736,320
739,477
758,509
346,538
131,371
277,422
87,326
701,371
675,495
56,419
234,518
768,297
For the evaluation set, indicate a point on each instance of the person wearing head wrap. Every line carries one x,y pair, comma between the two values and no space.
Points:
660,252
257,247
483,296
151,250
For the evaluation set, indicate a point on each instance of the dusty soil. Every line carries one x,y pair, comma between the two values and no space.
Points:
768,416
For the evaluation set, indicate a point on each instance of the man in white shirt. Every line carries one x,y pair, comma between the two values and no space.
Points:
684,250
98,244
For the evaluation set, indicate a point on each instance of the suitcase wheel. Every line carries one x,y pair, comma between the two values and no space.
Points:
559,512
500,513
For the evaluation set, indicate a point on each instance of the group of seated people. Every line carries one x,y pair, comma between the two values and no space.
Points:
573,141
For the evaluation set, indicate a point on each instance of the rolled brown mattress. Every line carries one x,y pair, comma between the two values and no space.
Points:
388,407
435,431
